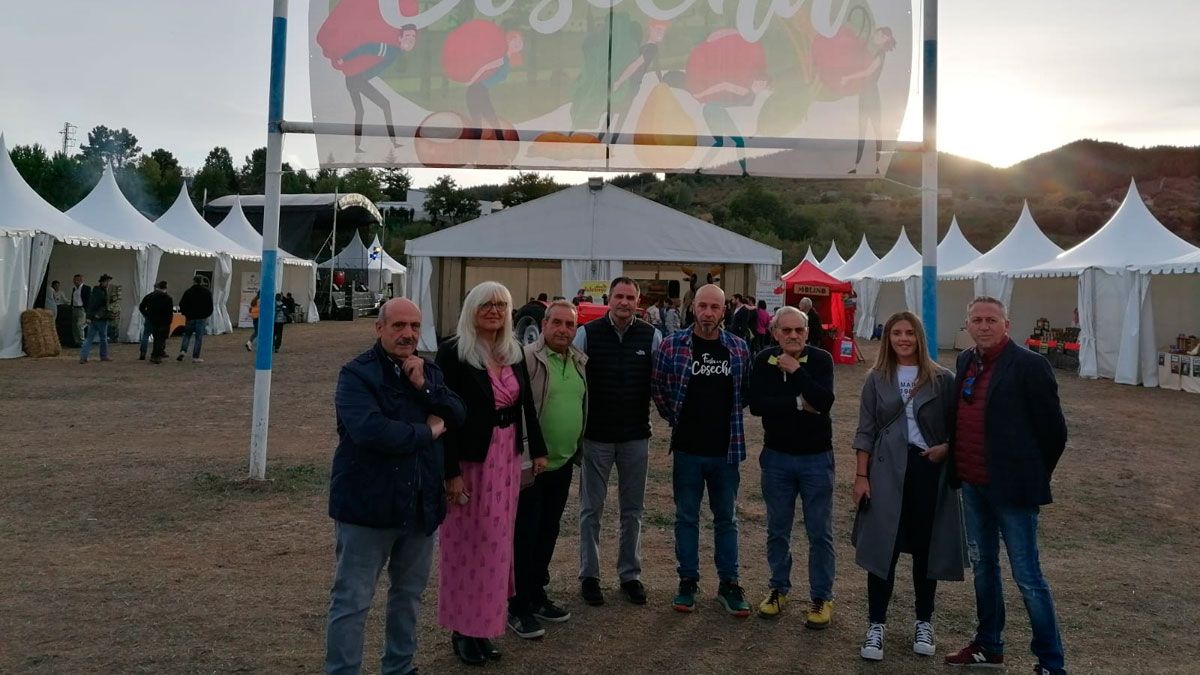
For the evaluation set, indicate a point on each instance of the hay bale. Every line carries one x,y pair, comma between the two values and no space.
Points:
37,331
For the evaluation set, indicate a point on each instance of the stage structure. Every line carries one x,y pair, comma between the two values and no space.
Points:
809,88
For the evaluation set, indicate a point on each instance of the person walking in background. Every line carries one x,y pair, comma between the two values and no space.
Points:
558,379
80,295
484,364
791,388
701,378
157,310
906,503
98,315
1008,435
762,328
54,298
289,305
815,330
385,488
253,311
672,321
620,349
280,319
196,306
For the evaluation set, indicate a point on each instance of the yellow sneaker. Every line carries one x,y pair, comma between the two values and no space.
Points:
773,605
820,613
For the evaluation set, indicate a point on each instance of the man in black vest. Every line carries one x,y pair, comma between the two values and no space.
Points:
620,349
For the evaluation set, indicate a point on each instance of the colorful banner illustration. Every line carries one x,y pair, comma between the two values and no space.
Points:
801,88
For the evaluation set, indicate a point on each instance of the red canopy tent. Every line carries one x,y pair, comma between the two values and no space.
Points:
828,294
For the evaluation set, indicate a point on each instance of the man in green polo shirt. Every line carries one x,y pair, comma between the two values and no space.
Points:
559,385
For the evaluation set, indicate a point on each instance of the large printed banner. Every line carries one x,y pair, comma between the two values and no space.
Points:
802,88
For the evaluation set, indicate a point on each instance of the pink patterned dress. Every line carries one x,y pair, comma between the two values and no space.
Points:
475,563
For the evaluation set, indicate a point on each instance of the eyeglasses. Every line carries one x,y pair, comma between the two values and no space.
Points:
495,305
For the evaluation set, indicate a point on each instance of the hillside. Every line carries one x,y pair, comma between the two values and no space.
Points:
1072,191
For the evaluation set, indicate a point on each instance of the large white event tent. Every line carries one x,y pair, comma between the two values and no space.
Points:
863,258
295,275
166,257
30,228
233,260
868,284
954,251
832,261
1027,300
1172,289
380,267
587,232
1116,313
810,257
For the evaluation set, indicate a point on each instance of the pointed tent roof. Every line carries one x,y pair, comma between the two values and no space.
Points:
106,210
1132,237
833,259
809,274
356,256
238,228
902,255
582,223
389,262
954,251
22,208
863,258
810,257
1024,246
184,222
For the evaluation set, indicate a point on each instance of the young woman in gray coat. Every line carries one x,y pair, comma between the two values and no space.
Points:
905,503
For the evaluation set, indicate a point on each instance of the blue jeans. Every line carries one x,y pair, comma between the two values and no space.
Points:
361,554
96,330
988,519
689,476
144,340
784,477
192,327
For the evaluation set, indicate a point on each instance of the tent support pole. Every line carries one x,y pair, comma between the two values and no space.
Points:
929,182
270,252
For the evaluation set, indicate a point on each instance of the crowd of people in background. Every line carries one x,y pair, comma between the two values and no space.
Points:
484,441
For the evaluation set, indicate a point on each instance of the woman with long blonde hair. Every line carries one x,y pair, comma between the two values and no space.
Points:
905,502
484,365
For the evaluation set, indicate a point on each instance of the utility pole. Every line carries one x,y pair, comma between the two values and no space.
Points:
68,134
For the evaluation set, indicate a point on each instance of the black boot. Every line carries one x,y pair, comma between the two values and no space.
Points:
467,649
488,649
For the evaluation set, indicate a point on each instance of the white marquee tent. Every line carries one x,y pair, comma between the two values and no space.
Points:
867,283
30,228
832,261
1116,314
166,257
863,258
1172,289
810,257
586,232
233,260
295,275
380,266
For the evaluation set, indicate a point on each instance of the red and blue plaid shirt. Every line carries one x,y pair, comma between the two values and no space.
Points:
669,383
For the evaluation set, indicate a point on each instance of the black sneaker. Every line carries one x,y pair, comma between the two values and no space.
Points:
589,588
634,591
179,358
546,610
525,626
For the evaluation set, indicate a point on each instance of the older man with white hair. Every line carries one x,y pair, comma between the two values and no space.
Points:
815,331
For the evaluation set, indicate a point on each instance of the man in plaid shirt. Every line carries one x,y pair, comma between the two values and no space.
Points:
700,385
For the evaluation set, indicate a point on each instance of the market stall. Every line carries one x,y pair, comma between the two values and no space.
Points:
829,296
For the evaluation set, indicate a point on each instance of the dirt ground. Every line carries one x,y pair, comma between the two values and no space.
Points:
129,544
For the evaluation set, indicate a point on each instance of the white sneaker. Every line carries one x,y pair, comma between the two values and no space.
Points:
197,360
923,642
872,649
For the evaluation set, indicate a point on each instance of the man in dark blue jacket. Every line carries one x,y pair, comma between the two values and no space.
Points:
385,491
1007,437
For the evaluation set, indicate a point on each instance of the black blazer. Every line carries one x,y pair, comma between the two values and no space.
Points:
470,442
1024,429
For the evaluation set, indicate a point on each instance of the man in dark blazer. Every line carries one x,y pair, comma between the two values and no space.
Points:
385,490
1007,437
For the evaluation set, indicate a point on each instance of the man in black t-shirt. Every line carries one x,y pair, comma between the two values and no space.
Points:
699,387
